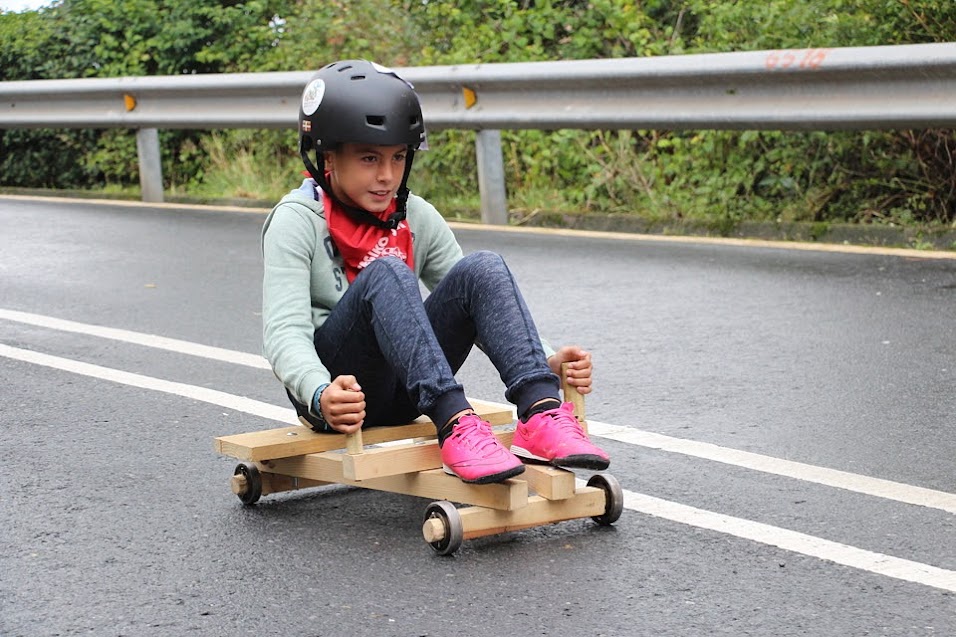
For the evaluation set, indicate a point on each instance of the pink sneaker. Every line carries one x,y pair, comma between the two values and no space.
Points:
556,437
474,454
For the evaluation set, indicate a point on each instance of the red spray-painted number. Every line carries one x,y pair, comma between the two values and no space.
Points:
808,59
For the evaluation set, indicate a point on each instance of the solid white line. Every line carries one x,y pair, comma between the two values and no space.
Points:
138,338
888,489
792,541
866,485
230,401
695,239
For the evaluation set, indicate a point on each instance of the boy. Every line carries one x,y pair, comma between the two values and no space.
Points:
344,324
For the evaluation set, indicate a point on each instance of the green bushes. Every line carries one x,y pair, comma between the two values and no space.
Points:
720,177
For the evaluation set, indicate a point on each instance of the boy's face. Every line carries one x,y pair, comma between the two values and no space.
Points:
366,176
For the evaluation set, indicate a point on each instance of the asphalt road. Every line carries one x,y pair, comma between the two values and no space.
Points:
805,402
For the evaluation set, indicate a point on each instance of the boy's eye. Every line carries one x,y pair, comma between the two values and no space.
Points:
400,157
369,158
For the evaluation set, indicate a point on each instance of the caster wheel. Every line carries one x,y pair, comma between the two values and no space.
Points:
452,531
613,498
252,490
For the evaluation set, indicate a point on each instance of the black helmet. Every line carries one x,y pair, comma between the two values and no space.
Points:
360,102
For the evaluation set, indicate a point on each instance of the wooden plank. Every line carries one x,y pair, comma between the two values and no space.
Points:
434,484
549,482
391,461
285,442
480,521
378,463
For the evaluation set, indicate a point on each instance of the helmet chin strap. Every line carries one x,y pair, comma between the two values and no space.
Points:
358,214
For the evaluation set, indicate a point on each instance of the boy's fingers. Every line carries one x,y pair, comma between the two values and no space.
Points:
342,407
348,382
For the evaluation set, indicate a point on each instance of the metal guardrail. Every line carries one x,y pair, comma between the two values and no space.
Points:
906,86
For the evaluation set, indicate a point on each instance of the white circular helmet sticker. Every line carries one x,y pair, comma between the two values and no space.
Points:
312,96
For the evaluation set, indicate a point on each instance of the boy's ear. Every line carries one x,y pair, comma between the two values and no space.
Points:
329,157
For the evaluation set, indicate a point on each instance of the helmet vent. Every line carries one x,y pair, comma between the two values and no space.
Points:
378,121
358,77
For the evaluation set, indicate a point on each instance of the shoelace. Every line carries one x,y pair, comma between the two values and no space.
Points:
475,431
567,422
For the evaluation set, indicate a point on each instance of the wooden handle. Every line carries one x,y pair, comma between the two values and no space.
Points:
573,396
353,443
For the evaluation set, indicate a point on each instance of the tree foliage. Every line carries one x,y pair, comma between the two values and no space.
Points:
728,175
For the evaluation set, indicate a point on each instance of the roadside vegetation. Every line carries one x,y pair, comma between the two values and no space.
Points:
715,180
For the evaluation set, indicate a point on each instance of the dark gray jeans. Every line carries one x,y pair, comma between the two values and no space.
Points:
405,352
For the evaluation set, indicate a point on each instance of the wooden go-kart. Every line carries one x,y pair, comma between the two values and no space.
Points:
405,459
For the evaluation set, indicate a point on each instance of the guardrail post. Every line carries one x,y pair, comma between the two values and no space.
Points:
150,165
491,178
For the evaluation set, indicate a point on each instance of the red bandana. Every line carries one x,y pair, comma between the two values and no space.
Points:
361,243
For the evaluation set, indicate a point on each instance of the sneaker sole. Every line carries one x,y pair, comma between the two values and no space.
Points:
581,461
501,476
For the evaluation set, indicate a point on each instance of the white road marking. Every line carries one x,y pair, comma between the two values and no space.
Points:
878,487
138,338
888,489
229,401
795,542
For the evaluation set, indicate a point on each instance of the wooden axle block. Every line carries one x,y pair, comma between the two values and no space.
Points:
272,483
479,521
549,482
275,483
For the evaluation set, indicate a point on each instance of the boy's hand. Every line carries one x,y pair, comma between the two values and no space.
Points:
343,405
579,367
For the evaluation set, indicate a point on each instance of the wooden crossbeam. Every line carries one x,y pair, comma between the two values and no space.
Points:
435,484
285,442
378,463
